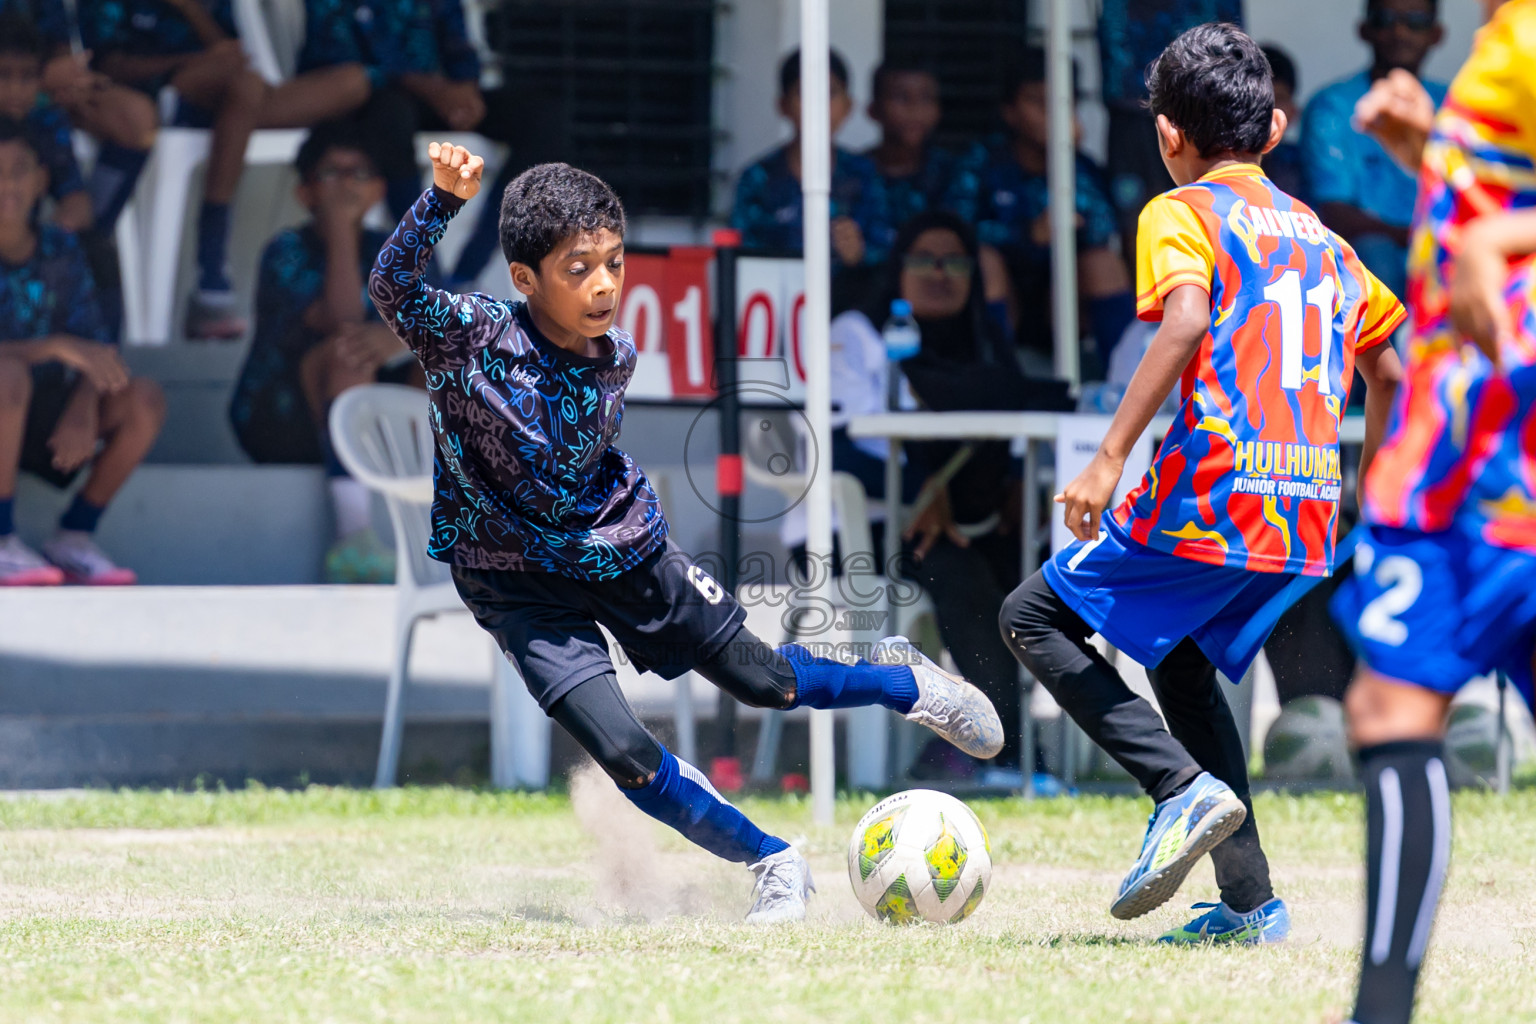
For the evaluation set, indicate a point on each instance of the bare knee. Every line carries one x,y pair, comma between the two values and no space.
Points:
248,91
15,383
139,121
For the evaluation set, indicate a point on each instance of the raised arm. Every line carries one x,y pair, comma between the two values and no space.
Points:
442,328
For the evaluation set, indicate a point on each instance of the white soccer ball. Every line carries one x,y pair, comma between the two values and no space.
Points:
920,856
1308,743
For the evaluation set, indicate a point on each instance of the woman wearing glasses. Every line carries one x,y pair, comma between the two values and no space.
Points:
962,546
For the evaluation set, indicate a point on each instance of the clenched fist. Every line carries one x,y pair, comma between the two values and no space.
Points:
455,169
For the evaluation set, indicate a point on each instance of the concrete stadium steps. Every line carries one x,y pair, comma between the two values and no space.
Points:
164,685
198,378
180,524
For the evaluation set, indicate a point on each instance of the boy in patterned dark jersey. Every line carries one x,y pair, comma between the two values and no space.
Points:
22,58
551,531
66,399
193,46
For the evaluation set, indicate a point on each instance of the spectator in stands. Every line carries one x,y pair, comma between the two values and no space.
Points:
1013,214
917,175
963,545
768,209
425,75
1283,164
123,120
190,45
1132,34
317,334
1356,187
66,399
22,56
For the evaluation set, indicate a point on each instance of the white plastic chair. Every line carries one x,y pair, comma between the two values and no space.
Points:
382,436
868,729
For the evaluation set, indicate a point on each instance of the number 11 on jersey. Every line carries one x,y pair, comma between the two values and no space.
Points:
1286,293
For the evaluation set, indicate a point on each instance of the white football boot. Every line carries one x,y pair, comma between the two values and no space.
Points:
783,887
946,703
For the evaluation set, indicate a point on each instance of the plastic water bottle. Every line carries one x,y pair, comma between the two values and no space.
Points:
903,339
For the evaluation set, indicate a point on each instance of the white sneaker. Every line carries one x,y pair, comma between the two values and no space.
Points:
20,566
214,316
76,553
783,886
947,704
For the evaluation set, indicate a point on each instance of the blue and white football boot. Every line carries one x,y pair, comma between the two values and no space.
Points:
1182,829
1221,925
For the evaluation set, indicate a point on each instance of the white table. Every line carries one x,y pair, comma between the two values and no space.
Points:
1032,428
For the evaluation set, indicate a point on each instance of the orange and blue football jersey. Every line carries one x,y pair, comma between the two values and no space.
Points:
1462,440
1248,476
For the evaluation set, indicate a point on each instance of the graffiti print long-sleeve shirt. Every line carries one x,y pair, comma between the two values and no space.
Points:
526,478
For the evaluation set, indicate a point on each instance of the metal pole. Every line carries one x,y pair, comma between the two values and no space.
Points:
1027,567
1061,179
816,185
728,468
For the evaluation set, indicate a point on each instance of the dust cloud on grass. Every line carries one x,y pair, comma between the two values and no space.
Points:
632,876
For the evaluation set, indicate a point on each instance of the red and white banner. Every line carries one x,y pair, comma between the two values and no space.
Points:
770,316
668,309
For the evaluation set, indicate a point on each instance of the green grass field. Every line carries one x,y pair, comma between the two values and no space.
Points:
451,905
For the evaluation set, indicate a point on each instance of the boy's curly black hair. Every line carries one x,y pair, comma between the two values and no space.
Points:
19,131
789,71
19,37
326,136
1215,84
551,202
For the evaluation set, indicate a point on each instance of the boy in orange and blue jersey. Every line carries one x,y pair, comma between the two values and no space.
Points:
1442,588
1265,314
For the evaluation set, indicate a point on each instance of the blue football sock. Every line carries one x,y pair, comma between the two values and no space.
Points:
112,182
332,461
212,247
997,316
1108,317
824,683
680,796
7,516
81,515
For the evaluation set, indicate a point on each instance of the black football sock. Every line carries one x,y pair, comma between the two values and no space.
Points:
1190,696
1408,844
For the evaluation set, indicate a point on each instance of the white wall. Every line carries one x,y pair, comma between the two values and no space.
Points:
1321,37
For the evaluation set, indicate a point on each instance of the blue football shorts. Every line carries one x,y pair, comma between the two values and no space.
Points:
1145,601
1437,609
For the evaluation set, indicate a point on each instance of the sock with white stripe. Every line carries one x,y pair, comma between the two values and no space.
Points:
680,796
1408,843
